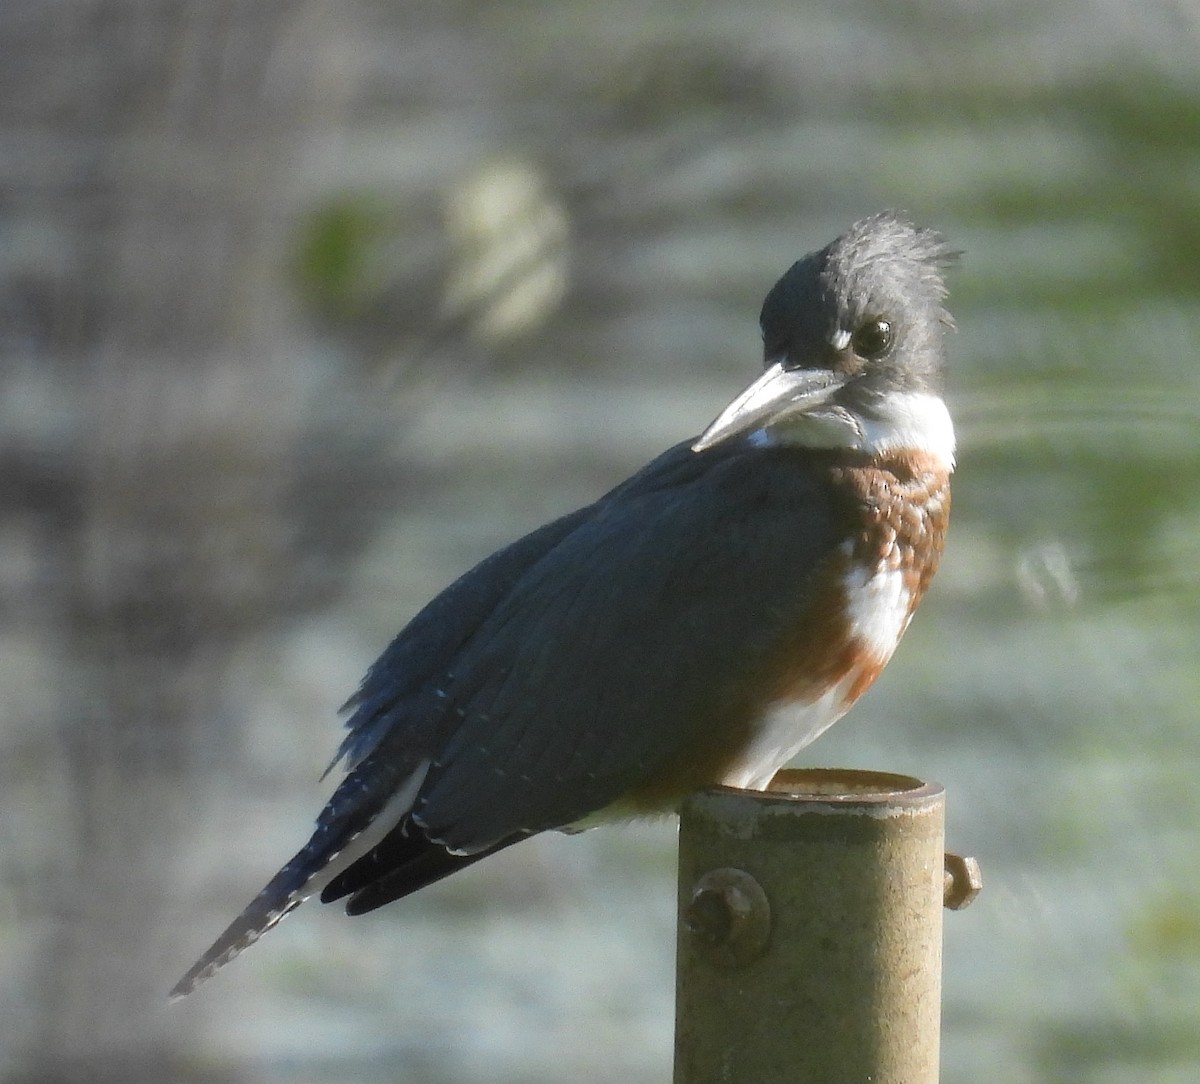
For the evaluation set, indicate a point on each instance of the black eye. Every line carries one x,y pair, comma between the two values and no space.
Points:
872,339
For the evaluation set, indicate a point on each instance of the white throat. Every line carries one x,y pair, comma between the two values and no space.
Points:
899,422
909,421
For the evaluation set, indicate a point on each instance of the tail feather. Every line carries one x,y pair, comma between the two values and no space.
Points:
400,864
284,894
404,844
351,825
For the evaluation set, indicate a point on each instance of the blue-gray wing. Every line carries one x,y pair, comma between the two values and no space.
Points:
400,691
623,642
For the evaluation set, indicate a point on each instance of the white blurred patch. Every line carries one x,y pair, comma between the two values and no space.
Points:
510,238
1047,577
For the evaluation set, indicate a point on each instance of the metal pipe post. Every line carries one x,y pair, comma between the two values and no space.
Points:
810,932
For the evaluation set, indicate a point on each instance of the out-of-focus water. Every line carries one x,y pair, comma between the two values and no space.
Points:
666,162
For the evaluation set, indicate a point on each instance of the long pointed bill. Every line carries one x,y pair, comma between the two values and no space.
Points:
775,394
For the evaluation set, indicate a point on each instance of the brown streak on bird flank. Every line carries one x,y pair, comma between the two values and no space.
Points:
897,517
869,670
819,652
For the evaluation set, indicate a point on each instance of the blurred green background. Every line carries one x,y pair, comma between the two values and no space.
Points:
307,306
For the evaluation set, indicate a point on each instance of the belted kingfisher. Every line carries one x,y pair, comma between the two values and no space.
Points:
699,624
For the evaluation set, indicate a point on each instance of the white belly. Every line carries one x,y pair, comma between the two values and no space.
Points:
878,615
785,729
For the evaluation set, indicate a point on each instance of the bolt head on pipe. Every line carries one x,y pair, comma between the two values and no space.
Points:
963,881
729,916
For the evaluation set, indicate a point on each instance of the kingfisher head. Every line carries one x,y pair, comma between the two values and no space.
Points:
853,349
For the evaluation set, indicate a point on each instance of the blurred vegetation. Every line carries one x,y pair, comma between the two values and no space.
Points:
340,261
